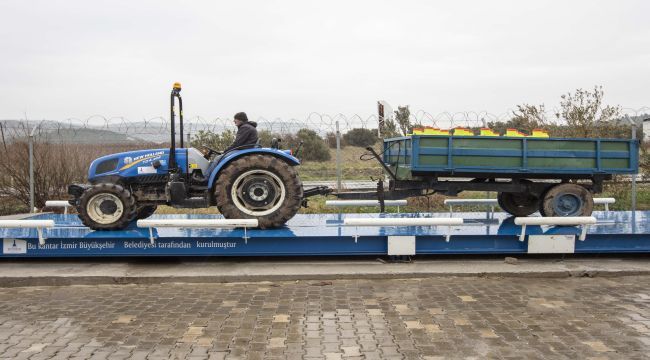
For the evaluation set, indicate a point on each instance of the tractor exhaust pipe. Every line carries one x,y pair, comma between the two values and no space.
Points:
176,93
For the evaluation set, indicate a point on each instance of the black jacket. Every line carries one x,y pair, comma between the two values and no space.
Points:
246,135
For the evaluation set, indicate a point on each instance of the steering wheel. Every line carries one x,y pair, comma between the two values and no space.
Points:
211,151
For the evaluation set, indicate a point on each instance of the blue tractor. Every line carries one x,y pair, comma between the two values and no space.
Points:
248,182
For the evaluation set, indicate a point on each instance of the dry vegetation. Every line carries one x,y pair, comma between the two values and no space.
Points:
55,167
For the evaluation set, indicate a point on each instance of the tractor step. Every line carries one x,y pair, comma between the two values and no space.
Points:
179,197
192,203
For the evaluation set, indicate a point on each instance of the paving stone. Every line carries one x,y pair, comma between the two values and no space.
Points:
470,318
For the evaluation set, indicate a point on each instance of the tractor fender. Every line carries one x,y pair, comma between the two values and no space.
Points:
229,157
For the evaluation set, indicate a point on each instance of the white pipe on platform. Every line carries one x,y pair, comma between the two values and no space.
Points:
494,202
26,224
58,203
470,201
197,223
556,220
604,201
39,225
402,221
364,203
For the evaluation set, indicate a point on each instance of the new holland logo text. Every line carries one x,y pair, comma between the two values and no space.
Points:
138,159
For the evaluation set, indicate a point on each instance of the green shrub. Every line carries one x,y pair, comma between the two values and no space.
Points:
360,137
313,148
266,138
213,140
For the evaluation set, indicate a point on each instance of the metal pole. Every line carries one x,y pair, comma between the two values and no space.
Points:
487,193
380,118
31,170
634,175
338,157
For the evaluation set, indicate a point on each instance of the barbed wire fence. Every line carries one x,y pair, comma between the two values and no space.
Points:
60,151
156,129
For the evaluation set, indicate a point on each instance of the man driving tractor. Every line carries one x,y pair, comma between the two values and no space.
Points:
246,132
246,137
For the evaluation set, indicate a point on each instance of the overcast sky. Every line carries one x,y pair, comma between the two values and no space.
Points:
286,59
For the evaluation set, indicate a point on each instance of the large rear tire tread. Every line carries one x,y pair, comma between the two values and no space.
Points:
568,189
128,201
287,174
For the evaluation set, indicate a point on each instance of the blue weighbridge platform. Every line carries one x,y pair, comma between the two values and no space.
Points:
324,234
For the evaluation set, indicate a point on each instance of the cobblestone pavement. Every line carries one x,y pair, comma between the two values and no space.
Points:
433,318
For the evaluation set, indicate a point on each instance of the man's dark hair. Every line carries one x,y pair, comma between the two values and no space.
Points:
241,116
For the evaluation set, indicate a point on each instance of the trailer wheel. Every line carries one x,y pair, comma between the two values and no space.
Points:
568,200
106,207
144,212
518,204
259,186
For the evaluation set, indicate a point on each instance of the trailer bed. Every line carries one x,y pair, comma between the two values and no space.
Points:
421,155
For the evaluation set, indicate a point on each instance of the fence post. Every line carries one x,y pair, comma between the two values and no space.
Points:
634,175
31,170
338,157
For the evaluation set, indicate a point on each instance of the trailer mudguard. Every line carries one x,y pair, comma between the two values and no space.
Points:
230,156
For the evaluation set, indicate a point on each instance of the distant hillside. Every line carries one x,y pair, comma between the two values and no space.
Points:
89,136
55,132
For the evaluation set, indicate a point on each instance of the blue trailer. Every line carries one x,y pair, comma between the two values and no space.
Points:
555,176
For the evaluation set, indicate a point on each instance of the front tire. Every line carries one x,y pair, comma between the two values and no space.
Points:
259,186
106,207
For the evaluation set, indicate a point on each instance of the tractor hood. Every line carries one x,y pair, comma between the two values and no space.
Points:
134,163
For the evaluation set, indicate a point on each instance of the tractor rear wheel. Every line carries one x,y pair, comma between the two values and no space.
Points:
106,207
259,186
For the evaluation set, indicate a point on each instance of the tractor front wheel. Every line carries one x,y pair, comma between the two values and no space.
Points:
259,186
106,207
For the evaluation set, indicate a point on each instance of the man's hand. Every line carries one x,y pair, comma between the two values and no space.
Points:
208,151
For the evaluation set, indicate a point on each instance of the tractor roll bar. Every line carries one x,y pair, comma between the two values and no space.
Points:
176,93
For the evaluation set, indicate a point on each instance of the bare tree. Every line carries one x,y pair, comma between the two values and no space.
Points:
56,164
587,116
403,118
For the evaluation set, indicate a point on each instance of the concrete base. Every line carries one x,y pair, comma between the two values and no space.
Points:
148,271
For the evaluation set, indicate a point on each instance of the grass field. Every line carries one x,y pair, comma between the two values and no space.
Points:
353,168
